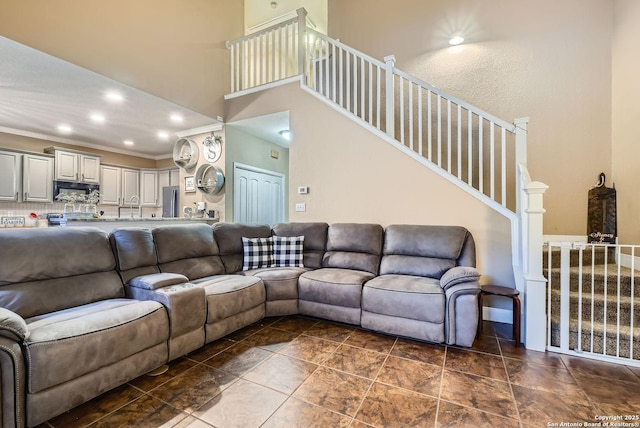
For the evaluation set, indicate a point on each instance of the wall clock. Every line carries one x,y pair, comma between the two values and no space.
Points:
212,148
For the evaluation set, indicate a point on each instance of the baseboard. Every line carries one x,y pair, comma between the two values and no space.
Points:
564,238
497,315
625,260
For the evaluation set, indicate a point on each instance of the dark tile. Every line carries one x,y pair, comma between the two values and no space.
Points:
540,407
238,359
486,344
245,332
551,379
334,390
588,367
419,351
281,373
330,331
194,387
388,406
357,361
610,396
271,339
453,415
503,330
477,363
148,382
244,404
191,422
369,340
210,349
144,412
636,371
97,408
481,393
488,329
310,349
410,374
294,323
534,357
298,414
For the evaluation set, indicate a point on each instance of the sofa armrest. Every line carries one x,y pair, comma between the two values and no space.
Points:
12,384
185,304
459,275
156,281
13,326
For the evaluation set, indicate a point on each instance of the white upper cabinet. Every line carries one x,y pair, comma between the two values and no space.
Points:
37,178
130,186
75,166
149,188
110,185
10,176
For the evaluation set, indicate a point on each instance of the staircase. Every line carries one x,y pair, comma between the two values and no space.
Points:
593,306
480,153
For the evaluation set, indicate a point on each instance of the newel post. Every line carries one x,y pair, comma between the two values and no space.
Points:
520,124
390,62
302,45
535,282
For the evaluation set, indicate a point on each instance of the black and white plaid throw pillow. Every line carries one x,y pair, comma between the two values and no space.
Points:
258,253
288,251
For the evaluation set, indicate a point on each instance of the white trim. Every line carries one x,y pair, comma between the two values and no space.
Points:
281,82
200,130
497,315
564,238
593,356
625,261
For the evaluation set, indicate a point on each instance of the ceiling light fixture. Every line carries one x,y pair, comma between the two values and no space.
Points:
114,96
128,143
97,117
65,129
456,40
163,135
286,134
176,118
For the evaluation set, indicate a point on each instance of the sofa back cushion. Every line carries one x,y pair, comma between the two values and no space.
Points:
187,249
354,246
135,252
315,240
427,251
229,238
49,269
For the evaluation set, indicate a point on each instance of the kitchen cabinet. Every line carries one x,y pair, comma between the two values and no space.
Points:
118,185
10,176
37,178
25,177
149,188
75,166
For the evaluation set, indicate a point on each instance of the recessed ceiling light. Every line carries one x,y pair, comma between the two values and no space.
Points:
65,129
163,135
176,118
97,117
286,134
114,96
128,143
456,40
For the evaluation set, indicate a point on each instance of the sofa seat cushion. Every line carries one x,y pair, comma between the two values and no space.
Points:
229,295
405,296
280,283
334,286
67,344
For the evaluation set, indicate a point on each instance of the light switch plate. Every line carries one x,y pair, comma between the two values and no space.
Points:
301,207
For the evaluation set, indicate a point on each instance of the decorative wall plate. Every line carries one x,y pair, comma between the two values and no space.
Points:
212,148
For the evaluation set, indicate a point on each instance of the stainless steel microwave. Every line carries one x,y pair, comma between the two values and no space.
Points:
68,187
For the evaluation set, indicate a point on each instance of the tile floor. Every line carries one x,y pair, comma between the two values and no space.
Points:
302,372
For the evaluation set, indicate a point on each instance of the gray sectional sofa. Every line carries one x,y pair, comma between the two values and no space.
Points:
82,312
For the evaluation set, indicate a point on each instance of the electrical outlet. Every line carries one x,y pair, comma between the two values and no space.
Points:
301,207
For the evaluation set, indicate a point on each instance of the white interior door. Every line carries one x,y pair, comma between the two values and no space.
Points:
258,195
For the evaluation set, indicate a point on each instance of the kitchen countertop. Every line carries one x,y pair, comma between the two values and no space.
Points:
140,219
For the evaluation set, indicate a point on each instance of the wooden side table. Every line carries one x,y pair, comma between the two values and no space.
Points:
498,290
